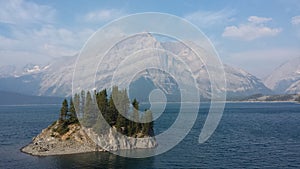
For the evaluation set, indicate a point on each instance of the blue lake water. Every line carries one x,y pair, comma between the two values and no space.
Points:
250,135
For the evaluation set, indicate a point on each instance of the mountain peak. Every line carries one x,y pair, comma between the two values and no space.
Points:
285,78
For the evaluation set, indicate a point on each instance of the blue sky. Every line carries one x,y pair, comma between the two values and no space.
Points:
254,35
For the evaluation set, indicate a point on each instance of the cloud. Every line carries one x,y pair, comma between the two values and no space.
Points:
254,29
295,20
257,20
33,36
102,15
40,44
23,12
210,18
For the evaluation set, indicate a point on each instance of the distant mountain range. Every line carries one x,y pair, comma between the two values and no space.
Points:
55,79
286,78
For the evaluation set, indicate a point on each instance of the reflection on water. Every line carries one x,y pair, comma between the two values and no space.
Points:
101,160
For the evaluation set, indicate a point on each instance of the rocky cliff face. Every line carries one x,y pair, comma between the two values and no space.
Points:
114,141
81,140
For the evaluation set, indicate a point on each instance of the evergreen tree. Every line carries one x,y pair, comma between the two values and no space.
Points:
89,117
148,123
63,111
99,126
123,102
112,112
102,103
135,125
82,104
77,103
72,113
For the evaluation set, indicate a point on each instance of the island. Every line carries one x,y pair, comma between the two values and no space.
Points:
80,128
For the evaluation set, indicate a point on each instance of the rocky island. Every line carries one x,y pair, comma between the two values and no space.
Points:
84,132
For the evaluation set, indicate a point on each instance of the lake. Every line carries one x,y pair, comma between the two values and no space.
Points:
250,135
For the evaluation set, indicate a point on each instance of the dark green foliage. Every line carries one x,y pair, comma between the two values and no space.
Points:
62,128
63,111
147,127
89,113
122,102
135,126
98,110
102,101
77,103
67,117
72,113
112,112
103,114
82,104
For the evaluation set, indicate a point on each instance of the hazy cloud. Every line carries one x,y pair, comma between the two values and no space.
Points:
295,20
254,29
103,15
209,18
32,34
24,12
257,20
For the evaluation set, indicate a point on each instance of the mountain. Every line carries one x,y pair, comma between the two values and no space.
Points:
241,83
54,79
286,78
10,98
121,61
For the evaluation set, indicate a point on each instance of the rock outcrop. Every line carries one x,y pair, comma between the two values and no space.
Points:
81,140
114,141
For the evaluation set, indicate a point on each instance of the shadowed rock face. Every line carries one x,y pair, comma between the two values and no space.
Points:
80,140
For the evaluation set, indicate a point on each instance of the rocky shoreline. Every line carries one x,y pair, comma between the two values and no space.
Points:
80,140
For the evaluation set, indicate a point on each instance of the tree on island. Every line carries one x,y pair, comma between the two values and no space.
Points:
122,101
72,117
135,127
67,116
63,111
147,126
89,113
97,108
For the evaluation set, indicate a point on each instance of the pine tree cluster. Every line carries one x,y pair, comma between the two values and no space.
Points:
96,108
67,116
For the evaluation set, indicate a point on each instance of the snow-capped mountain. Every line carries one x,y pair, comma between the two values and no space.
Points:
55,79
286,78
39,80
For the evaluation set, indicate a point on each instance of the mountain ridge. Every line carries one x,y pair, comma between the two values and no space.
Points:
285,79
55,79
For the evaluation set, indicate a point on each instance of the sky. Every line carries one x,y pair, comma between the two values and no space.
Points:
255,35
